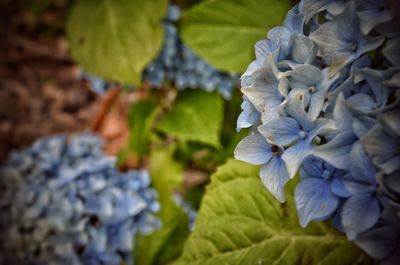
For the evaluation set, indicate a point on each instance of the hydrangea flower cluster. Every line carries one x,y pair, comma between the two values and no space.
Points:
178,64
322,98
63,202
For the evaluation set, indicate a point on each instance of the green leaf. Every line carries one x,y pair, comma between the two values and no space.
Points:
196,116
166,244
240,222
115,40
224,32
167,174
141,119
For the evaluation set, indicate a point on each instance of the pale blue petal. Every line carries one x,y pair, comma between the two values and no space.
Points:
294,20
323,127
296,109
274,175
314,200
109,258
295,155
305,76
341,60
317,102
312,167
361,103
362,124
326,36
247,79
132,204
382,147
253,149
273,109
337,151
243,121
263,49
355,187
342,115
361,169
263,89
121,239
336,7
280,33
376,84
339,189
282,131
303,49
360,212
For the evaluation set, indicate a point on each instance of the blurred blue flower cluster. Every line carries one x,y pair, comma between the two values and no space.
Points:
178,64
187,209
323,98
96,84
62,201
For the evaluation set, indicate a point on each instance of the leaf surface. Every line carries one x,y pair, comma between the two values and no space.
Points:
195,116
224,32
164,245
240,222
115,40
141,119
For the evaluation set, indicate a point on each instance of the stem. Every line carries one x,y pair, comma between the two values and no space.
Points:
108,101
143,90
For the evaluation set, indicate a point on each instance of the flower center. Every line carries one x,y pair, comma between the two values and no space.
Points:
326,174
312,89
302,134
353,46
275,149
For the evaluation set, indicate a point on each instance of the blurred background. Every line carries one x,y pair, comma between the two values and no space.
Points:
168,105
41,88
117,116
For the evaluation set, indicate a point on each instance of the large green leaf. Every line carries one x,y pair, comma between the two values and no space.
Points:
166,244
196,116
224,31
116,39
141,118
239,222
